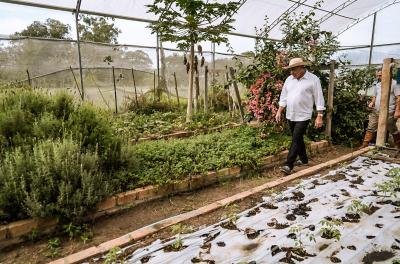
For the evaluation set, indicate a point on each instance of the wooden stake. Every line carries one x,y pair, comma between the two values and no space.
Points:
227,91
134,86
384,106
235,86
205,89
176,89
115,91
76,82
196,97
331,88
154,88
29,78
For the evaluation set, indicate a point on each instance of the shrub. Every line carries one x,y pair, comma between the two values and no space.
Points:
56,179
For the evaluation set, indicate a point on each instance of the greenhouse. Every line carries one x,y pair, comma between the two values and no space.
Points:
232,131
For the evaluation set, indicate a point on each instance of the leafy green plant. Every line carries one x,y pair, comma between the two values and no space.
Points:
112,255
330,229
299,231
357,207
178,244
53,246
181,229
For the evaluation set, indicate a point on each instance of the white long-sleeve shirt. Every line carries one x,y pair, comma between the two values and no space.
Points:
299,96
394,91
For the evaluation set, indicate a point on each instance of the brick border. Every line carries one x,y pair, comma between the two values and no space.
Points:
153,228
16,232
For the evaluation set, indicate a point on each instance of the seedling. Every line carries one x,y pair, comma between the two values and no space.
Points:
112,255
232,213
33,235
181,229
53,247
330,229
357,207
299,231
178,244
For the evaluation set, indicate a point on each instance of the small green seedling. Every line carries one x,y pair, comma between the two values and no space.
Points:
53,246
112,255
357,207
330,229
299,231
181,229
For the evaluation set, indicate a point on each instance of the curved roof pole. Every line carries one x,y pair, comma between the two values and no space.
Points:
372,41
78,7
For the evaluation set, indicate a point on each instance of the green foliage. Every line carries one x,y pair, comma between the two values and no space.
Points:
190,22
112,255
98,29
55,179
53,247
392,186
162,161
78,231
330,229
181,229
357,207
299,231
178,244
52,28
350,104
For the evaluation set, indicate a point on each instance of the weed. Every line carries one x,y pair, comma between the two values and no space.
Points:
53,246
112,255
181,229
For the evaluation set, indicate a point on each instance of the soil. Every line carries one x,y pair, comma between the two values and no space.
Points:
377,256
110,227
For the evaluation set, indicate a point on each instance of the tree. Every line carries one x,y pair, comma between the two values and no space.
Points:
189,22
52,28
98,29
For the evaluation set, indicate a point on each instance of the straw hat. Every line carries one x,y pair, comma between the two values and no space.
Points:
296,62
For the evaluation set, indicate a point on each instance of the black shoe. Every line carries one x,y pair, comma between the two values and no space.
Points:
300,163
286,169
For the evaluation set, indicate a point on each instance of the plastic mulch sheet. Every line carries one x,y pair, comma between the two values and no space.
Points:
283,227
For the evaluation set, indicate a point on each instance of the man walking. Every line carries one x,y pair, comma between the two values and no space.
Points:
300,92
394,104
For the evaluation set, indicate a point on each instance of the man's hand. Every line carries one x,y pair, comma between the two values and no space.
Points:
318,121
371,104
278,116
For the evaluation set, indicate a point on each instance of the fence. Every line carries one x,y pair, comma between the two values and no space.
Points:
53,65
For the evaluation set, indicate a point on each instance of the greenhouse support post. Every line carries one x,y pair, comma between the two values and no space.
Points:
205,89
134,86
78,7
158,60
154,86
176,89
372,41
29,78
197,91
384,106
76,82
331,89
115,91
235,87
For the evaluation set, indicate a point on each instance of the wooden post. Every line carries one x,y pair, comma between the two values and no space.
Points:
76,82
331,88
134,86
384,106
227,91
29,78
115,91
176,89
235,86
154,84
205,89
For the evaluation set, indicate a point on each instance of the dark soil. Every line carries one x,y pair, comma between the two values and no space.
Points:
290,217
336,177
323,247
352,247
253,212
359,180
251,233
113,226
269,206
377,256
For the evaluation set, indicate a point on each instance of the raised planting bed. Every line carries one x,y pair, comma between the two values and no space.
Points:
140,127
18,231
340,216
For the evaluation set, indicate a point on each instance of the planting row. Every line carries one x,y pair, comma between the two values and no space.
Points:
60,159
350,215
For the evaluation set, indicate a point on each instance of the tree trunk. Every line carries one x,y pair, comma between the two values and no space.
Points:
162,86
189,112
206,90
197,92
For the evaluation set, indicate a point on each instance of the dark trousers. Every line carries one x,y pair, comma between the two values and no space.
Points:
297,148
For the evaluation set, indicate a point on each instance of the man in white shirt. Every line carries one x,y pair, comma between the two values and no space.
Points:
394,100
300,92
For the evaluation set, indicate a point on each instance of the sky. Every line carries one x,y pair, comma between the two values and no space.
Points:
15,18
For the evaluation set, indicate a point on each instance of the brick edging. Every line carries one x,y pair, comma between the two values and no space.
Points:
155,227
15,232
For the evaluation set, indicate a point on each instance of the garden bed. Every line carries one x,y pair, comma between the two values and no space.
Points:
360,226
144,214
